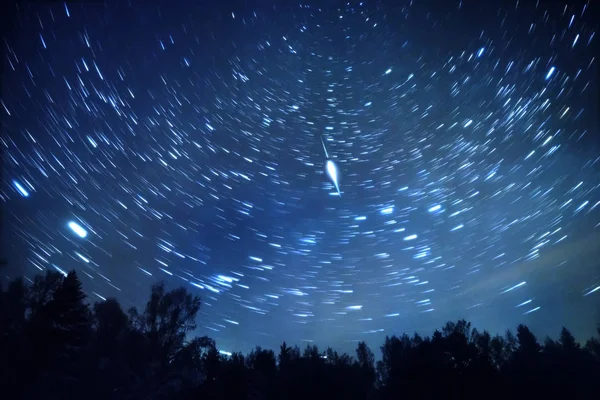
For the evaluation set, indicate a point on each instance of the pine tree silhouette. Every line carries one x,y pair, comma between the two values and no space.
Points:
54,347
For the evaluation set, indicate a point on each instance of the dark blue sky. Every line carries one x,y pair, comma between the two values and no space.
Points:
187,143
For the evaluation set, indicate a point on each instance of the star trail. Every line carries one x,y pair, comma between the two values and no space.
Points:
325,171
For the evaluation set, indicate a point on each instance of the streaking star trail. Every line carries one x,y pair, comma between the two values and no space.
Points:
143,142
77,229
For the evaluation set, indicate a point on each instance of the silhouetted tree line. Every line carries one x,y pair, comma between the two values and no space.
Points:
55,346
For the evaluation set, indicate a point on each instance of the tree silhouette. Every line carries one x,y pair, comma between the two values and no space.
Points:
59,333
14,346
528,344
55,346
113,350
593,345
262,364
367,375
161,330
567,341
42,291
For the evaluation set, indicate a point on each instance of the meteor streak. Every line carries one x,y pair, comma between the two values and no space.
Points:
331,169
77,229
324,148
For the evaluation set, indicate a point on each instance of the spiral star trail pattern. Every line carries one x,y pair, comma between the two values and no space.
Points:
146,142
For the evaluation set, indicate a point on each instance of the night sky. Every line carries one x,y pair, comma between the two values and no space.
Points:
203,143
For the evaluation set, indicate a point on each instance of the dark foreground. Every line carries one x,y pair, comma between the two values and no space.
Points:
54,346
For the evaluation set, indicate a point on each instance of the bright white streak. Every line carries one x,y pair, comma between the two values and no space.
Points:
56,267
523,303
387,210
435,208
354,308
592,291
510,289
332,172
21,189
77,229
324,148
532,310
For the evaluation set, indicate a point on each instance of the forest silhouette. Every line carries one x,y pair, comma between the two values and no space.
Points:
55,345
